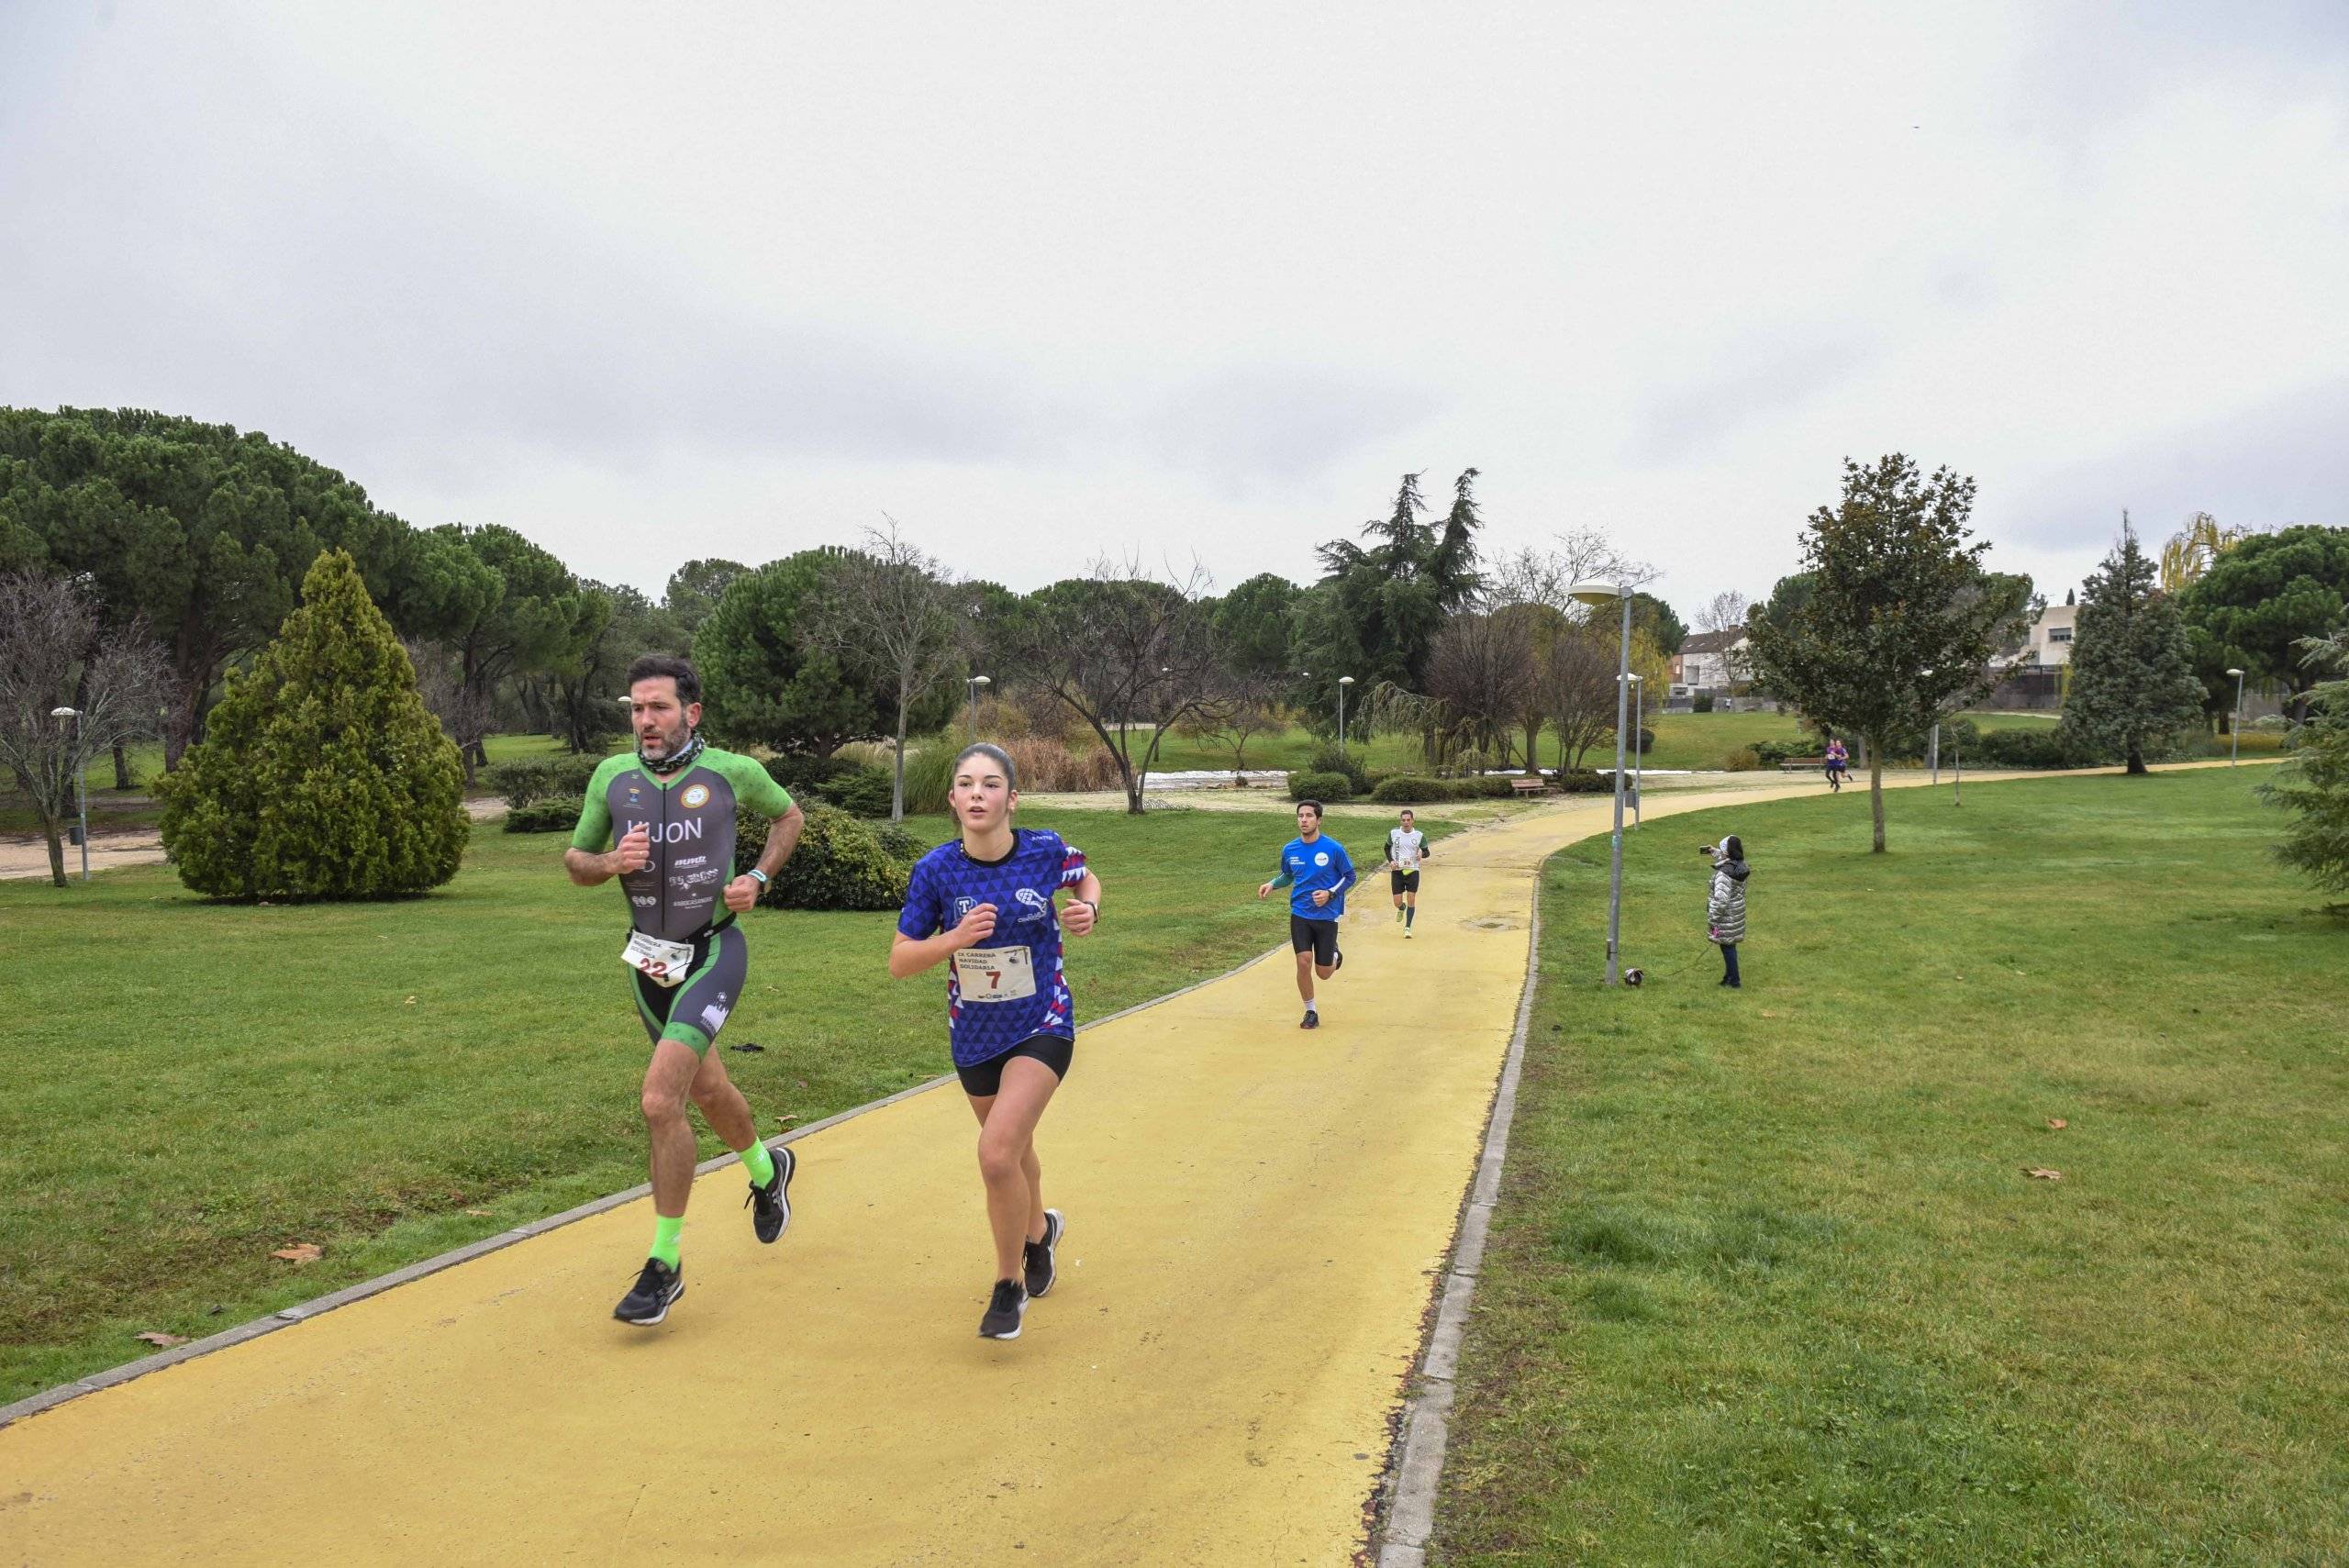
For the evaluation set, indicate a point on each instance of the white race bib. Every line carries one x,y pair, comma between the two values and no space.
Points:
663,963
995,974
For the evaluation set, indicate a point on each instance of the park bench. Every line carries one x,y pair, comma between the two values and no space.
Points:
1528,786
1803,765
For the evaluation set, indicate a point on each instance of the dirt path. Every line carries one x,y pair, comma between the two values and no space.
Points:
22,857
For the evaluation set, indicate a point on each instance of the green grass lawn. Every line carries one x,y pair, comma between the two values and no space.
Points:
198,1083
1769,1284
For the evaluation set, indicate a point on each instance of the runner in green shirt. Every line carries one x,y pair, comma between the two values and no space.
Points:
671,805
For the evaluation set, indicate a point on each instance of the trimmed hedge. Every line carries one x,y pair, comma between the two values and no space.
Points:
543,817
542,778
1412,790
840,864
2038,747
1582,781
1320,786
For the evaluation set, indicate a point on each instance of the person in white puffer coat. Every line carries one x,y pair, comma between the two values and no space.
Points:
1725,905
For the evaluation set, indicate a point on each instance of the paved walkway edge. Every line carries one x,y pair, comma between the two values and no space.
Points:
50,1399
1417,1465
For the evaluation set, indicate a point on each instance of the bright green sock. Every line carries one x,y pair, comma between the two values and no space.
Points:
759,1162
664,1238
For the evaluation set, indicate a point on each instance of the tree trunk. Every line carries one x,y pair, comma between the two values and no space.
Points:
50,831
897,786
1876,792
2136,758
121,767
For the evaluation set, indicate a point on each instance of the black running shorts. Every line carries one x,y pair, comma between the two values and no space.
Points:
693,1010
983,1080
1403,881
1320,936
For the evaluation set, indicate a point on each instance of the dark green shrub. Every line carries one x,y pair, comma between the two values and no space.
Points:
1353,764
542,778
867,792
805,773
2038,747
1701,702
1770,753
899,843
1320,786
322,775
840,864
1407,790
543,817
1583,781
1485,786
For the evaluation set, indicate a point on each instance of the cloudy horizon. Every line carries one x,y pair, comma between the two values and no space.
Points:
1042,283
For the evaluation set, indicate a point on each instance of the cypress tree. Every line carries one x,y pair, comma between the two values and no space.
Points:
2132,677
2315,784
322,775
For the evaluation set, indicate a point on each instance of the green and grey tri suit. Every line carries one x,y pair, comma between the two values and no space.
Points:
689,817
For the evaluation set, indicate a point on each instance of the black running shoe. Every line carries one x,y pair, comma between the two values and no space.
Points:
656,1287
1038,1257
1312,1021
1008,1304
771,1204
1337,961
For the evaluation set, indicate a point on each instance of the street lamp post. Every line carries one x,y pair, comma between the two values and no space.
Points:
80,783
2234,738
972,685
1596,594
1344,682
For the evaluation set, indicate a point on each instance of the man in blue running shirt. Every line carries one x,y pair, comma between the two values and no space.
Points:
1316,871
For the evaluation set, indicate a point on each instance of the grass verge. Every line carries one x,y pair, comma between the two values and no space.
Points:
1769,1283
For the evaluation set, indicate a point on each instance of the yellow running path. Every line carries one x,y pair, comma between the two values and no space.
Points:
1256,1214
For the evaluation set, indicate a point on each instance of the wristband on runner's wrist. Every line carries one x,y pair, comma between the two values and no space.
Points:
755,874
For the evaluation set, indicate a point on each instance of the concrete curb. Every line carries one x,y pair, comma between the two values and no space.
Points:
1409,1517
285,1317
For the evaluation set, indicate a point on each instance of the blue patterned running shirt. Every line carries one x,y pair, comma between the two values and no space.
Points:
1022,962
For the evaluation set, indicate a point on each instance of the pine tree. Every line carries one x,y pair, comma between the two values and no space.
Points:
322,775
2132,677
2315,784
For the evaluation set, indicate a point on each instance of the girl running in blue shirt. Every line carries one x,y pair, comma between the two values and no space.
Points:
986,902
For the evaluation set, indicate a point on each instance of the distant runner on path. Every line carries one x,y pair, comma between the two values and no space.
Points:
674,800
987,901
1405,848
1317,869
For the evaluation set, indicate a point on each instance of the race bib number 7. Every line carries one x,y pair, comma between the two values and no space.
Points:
663,963
995,974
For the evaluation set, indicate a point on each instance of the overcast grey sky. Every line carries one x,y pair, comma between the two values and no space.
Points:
650,282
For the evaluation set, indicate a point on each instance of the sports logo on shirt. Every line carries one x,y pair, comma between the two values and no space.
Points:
1035,903
963,906
696,794
1322,859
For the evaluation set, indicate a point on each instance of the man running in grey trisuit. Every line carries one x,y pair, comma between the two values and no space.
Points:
1405,848
672,800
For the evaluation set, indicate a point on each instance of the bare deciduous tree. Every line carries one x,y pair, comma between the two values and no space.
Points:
1480,671
891,609
1547,576
1249,707
1129,653
1578,683
55,652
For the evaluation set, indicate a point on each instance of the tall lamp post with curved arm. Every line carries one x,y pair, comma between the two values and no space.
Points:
1595,595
